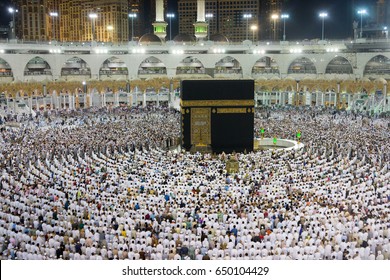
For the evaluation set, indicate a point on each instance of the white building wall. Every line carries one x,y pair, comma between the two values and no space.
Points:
246,60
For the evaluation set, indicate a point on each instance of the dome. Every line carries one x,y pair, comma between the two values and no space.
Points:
219,38
150,38
183,38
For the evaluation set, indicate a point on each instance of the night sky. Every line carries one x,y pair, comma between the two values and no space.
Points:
303,23
5,17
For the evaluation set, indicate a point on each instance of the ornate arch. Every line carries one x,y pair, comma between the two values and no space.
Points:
228,65
5,69
37,66
75,66
339,65
377,66
302,65
265,65
152,66
190,66
113,67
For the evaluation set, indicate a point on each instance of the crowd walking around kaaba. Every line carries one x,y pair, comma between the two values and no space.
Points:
103,184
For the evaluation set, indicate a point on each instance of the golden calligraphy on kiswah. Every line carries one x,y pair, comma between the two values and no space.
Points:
231,110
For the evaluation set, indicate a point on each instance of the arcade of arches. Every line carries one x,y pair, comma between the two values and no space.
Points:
264,85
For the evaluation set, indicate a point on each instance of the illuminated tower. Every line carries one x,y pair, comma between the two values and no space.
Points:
201,24
227,17
160,26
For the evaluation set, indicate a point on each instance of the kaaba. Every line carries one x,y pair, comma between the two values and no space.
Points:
217,115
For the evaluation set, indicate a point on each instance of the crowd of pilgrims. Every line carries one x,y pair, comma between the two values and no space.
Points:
105,184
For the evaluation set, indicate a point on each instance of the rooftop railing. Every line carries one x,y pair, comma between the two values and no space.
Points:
88,44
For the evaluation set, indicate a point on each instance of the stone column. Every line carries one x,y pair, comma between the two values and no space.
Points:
384,97
308,98
44,103
130,95
170,97
36,103
51,102
338,96
58,101
135,94
70,101
144,99
117,99
30,103
14,99
291,98
74,101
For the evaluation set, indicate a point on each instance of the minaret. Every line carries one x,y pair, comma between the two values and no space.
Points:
201,25
160,26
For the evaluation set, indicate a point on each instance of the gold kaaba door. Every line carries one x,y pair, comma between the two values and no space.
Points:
200,126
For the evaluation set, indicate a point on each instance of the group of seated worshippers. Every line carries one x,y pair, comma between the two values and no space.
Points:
104,185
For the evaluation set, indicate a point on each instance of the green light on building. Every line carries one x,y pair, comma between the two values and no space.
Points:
159,29
200,29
